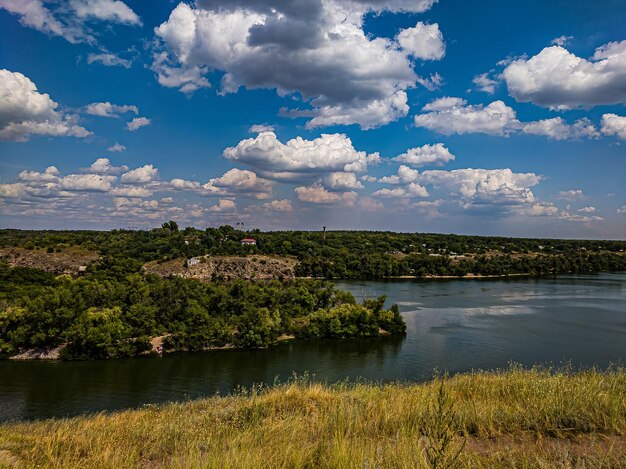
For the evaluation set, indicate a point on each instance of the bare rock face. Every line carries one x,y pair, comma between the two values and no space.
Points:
40,353
210,268
68,261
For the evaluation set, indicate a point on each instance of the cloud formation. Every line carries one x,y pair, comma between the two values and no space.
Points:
454,116
142,175
313,49
485,83
86,182
342,181
317,194
557,79
500,190
224,205
571,194
451,115
109,110
116,147
612,124
424,41
283,205
107,10
25,112
436,154
300,159
104,166
557,129
137,123
68,19
108,60
239,181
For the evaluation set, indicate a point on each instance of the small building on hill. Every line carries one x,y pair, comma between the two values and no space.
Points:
248,242
193,261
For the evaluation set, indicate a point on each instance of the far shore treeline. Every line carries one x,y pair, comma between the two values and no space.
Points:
112,307
343,254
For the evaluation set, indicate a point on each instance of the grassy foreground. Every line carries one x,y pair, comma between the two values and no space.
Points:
516,418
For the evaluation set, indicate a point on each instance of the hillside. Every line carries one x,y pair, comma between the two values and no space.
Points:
511,419
207,268
67,260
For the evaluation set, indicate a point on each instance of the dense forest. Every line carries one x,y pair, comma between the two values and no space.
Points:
108,315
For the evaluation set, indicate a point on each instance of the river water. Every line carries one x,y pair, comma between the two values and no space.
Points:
452,325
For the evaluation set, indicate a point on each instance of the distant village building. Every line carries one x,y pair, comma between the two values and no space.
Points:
248,242
193,261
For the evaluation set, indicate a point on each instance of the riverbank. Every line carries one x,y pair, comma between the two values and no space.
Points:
514,418
467,276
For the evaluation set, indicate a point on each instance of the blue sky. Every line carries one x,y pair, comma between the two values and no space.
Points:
411,115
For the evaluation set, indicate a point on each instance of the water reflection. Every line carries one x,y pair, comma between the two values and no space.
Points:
454,325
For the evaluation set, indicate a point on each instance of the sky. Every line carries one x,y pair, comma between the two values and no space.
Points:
482,117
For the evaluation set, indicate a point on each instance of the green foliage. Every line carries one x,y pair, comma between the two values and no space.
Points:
101,333
170,225
441,428
110,314
344,254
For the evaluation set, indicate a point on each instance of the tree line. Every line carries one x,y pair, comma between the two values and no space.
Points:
343,254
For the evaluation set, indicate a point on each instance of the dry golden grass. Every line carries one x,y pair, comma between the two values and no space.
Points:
517,418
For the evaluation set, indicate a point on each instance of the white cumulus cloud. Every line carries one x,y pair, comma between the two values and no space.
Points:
86,182
109,10
556,128
109,110
239,181
116,147
131,191
24,111
299,158
258,128
51,174
69,19
104,166
342,181
454,116
558,79
424,41
143,175
436,154
612,124
283,205
450,115
223,205
137,123
571,194
317,194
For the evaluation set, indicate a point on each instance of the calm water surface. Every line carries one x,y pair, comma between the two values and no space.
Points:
456,325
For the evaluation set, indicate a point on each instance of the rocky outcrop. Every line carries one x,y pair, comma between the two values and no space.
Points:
67,261
40,353
210,268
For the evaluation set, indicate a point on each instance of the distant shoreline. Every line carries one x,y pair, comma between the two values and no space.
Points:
468,276
427,277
